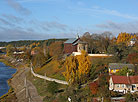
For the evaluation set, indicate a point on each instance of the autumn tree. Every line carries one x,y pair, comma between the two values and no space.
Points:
77,68
125,37
39,59
94,87
9,50
56,49
133,58
98,43
45,48
84,64
71,65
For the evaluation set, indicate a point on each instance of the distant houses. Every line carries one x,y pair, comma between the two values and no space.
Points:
115,67
132,42
123,84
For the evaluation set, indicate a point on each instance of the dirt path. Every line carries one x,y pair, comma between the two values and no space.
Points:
24,89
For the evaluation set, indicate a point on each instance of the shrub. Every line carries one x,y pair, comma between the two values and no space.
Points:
52,87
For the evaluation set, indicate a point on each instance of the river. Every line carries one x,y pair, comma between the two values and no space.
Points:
6,73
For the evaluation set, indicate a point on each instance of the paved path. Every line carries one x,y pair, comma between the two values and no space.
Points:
24,89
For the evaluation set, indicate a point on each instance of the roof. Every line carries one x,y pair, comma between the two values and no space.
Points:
125,79
120,65
134,79
80,42
71,40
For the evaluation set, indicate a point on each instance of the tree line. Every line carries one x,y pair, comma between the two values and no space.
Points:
28,42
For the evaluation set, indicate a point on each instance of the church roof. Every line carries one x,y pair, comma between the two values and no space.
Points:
79,42
71,40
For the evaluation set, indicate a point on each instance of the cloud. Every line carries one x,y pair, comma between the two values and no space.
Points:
5,22
12,18
56,25
25,1
40,30
18,7
130,27
49,25
11,34
96,10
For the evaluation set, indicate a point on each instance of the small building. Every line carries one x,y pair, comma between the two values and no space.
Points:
18,52
132,42
115,67
75,45
34,52
123,83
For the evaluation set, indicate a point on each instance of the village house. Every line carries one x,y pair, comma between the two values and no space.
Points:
132,42
115,67
75,45
18,52
123,83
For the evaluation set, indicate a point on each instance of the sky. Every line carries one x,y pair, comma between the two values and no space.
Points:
44,19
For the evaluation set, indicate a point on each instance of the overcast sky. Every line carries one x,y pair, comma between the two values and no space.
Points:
44,19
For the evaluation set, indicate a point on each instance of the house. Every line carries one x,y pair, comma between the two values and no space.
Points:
132,42
115,67
34,52
75,45
123,83
18,52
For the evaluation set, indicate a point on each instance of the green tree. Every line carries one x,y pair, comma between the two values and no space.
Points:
103,89
119,51
124,71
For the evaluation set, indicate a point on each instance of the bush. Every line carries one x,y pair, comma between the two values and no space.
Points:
52,87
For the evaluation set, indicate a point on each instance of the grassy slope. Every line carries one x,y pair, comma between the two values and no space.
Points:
53,69
41,86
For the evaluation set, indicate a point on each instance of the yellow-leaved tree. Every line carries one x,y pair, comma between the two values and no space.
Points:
77,67
124,37
71,69
84,64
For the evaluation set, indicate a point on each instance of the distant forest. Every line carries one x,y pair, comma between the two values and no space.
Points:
28,42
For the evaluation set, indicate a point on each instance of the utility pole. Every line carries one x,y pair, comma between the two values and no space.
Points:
25,85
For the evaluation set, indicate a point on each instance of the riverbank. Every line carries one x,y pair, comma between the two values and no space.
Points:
22,89
10,95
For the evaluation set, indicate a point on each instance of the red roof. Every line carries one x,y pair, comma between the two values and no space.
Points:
125,79
133,79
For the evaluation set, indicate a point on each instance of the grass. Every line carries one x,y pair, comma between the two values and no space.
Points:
53,69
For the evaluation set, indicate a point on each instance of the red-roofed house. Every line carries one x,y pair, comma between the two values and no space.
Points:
123,83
